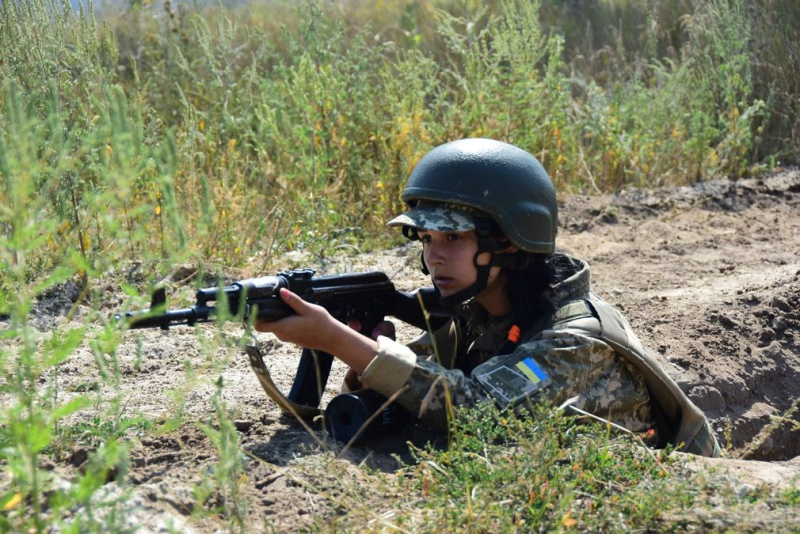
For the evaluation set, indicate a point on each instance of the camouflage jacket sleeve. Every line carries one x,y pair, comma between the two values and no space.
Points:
578,365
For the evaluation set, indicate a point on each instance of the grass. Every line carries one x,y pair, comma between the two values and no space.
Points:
226,137
546,472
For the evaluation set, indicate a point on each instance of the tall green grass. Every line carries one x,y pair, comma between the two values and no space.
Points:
164,135
232,126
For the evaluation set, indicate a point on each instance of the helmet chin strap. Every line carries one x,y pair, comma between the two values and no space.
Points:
451,301
486,244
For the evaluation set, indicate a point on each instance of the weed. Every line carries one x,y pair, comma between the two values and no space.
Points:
225,488
545,472
776,421
313,124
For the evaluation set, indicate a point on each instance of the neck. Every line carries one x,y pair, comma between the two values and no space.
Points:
494,298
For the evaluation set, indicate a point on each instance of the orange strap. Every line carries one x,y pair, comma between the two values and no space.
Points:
513,334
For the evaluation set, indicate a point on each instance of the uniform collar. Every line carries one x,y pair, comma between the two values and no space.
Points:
574,283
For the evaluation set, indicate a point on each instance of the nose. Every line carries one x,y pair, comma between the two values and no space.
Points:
433,254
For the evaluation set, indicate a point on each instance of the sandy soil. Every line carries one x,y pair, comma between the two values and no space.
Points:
709,277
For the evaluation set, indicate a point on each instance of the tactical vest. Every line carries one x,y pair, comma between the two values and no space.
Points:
679,421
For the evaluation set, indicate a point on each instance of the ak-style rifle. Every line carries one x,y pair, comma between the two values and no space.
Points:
361,300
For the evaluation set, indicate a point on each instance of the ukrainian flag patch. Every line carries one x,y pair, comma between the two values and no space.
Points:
532,370
511,378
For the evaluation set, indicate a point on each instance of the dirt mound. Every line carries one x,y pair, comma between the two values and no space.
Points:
758,333
709,276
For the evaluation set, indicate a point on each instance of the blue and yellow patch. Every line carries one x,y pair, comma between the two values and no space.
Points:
532,370
511,378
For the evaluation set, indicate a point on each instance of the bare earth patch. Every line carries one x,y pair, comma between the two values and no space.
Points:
709,276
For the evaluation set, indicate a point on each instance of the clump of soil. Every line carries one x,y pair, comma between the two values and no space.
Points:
760,333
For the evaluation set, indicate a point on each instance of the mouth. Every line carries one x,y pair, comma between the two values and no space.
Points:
444,282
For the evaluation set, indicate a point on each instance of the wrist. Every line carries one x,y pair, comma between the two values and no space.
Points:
351,347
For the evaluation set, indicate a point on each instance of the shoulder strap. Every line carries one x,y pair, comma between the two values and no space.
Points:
265,379
567,312
688,426
680,421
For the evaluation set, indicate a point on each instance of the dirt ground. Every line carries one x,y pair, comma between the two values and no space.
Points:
709,277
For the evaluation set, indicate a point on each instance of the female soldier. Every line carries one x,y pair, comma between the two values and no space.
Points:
526,327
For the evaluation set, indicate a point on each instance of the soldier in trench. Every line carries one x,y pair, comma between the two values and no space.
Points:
526,325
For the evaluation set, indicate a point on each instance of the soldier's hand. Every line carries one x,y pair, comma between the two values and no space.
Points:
311,326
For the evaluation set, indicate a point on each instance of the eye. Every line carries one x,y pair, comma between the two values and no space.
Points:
425,238
453,236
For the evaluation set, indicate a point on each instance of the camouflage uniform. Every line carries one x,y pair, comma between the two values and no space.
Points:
577,364
584,348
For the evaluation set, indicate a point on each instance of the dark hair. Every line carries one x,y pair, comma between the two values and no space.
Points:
527,287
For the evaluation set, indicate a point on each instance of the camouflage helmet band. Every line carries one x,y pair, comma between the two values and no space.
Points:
435,217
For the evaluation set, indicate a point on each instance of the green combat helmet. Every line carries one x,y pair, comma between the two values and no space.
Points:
473,184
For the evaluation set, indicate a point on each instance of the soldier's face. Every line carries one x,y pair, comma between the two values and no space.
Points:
449,257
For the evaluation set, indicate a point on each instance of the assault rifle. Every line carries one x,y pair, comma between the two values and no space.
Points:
361,300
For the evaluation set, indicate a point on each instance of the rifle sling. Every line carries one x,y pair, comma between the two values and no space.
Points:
272,391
